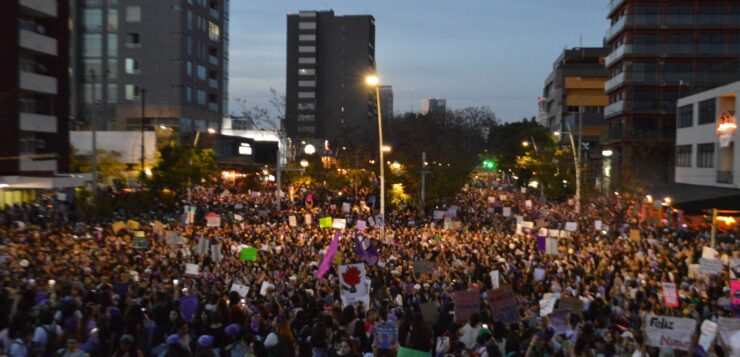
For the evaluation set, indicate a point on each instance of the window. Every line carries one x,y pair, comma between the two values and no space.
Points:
306,25
306,95
307,83
132,92
305,117
686,116
112,20
705,155
306,129
683,155
307,37
306,106
90,66
190,20
92,45
112,45
201,72
189,94
707,111
189,68
92,19
133,13
112,94
712,14
306,60
201,97
133,40
213,31
112,69
132,66
190,45
306,72
307,49
87,92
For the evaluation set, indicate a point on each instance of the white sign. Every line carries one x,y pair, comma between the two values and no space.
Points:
553,232
709,253
491,199
710,266
192,269
597,225
528,203
539,274
571,226
243,290
265,286
292,221
524,190
551,246
494,279
547,305
507,211
338,223
307,219
734,268
502,197
214,221
727,327
238,217
439,214
346,207
670,332
708,334
353,284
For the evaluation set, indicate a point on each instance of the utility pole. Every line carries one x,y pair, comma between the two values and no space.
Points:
713,242
277,178
93,127
424,173
143,104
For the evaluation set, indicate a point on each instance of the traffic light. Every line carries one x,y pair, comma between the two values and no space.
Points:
489,164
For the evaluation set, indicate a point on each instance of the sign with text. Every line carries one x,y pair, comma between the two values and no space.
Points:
670,332
503,305
670,297
466,303
710,266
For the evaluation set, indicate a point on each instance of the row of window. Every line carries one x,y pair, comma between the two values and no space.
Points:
202,24
707,114
704,155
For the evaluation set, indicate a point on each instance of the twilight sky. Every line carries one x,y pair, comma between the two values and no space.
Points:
472,52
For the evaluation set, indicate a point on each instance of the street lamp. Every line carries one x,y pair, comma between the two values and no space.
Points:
607,153
309,149
304,163
372,80
396,165
211,131
386,148
525,143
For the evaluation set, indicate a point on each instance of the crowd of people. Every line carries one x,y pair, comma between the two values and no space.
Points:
76,287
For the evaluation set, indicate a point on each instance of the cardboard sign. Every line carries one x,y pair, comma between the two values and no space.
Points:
292,221
346,207
670,332
307,219
670,296
266,285
242,290
491,199
507,211
502,197
503,305
192,269
635,235
132,225
495,283
597,225
575,305
571,226
547,305
140,242
214,221
466,303
338,223
528,203
429,312
361,225
325,222
710,266
708,334
248,254
386,335
553,233
118,226
438,215
735,290
158,227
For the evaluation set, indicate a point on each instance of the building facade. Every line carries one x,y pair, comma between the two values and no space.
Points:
170,56
386,101
434,106
706,147
657,49
328,59
34,87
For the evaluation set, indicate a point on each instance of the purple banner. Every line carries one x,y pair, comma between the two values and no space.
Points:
328,256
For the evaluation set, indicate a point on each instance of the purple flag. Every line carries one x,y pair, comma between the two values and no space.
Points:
328,256
369,255
189,305
541,244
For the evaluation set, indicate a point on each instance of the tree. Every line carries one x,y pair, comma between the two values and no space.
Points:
110,167
180,165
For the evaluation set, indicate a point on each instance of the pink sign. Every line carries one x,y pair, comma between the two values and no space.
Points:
735,288
670,297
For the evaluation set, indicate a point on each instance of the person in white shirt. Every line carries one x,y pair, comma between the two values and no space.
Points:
469,332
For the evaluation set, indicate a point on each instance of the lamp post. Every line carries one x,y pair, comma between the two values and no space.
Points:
577,162
93,127
143,104
373,80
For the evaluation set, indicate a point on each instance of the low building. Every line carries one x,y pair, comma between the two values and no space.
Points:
433,105
706,136
126,143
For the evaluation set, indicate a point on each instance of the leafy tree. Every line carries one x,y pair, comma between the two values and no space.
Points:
110,167
179,165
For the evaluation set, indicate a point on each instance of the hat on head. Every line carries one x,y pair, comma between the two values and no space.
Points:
127,339
232,330
172,339
205,341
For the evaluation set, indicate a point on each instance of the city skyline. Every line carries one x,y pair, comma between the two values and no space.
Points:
506,75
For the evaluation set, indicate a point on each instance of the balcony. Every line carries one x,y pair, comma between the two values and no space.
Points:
38,123
615,55
616,28
724,177
213,13
38,83
615,4
41,7
614,109
37,42
212,83
614,82
213,60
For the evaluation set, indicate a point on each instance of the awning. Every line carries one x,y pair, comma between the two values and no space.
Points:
44,182
695,198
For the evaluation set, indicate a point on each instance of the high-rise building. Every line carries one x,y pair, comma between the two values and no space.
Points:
433,106
34,87
386,101
657,51
170,55
328,59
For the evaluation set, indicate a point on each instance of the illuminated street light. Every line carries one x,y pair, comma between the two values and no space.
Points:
372,80
211,131
667,201
304,163
525,143
607,153
396,165
386,148
309,149
556,133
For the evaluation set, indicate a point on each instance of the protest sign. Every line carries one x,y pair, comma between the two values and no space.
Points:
575,305
439,215
410,352
325,222
491,199
502,197
528,203
351,280
734,268
248,254
346,207
709,253
539,274
265,286
173,240
379,221
238,217
238,206
203,247
524,190
495,283
429,312
503,305
635,235
192,269
386,335
553,232
188,306
710,266
422,266
466,303
507,212
292,221
158,227
551,246
670,297
452,212
242,290
597,225
216,252
519,219
670,332
448,223
708,334
735,291
263,213
338,223
361,225
571,226
727,327
140,242
132,225
118,226
213,221
307,219
547,305
559,320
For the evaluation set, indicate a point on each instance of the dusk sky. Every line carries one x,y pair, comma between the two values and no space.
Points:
494,53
